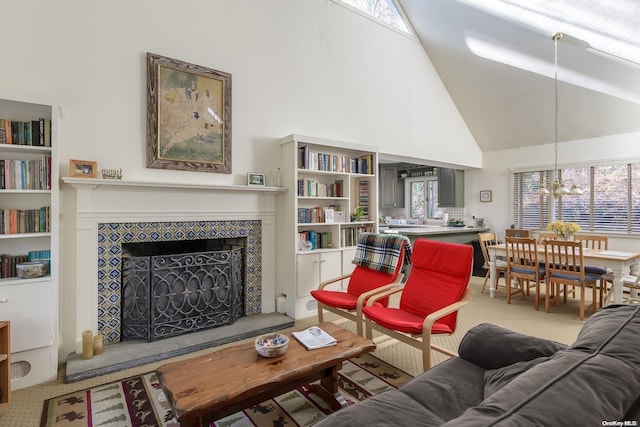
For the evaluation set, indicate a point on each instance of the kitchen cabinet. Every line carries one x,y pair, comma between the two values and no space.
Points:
450,188
391,187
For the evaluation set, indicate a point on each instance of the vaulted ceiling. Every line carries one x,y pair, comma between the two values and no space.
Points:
496,59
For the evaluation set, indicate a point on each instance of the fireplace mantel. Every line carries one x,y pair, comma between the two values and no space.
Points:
92,182
94,203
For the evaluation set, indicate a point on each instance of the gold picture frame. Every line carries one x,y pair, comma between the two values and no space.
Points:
83,168
188,116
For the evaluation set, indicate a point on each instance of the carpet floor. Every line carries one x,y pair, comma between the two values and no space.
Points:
560,324
139,401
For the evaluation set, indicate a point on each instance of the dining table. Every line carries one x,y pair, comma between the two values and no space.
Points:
618,261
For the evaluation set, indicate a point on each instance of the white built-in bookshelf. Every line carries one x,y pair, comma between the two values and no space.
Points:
327,181
29,230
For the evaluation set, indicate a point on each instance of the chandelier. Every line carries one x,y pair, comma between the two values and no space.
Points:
557,188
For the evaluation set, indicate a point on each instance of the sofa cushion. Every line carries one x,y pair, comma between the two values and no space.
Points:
449,388
598,376
440,394
492,347
495,379
389,408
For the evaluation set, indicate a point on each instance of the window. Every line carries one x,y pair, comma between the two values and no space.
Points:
610,203
385,11
423,197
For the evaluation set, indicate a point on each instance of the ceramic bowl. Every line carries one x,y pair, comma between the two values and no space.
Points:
31,269
272,345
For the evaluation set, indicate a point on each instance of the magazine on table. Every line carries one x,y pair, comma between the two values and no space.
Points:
314,338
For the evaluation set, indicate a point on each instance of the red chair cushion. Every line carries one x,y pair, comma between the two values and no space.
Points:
362,280
402,321
336,299
439,277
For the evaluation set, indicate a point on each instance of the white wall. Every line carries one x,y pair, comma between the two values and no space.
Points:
495,175
310,67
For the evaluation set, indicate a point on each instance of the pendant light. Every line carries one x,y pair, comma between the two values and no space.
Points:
558,188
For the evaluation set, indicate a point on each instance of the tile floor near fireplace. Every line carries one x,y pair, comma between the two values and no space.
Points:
129,354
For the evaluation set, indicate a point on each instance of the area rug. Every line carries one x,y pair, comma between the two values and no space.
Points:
139,401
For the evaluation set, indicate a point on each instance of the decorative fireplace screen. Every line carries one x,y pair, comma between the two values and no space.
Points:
169,295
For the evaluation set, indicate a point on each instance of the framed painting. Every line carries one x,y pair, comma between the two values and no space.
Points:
485,196
188,116
83,168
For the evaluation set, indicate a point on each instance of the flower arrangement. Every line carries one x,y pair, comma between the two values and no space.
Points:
564,230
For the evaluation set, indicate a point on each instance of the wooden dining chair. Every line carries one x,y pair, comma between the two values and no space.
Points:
546,235
563,269
488,239
379,260
597,243
517,232
523,267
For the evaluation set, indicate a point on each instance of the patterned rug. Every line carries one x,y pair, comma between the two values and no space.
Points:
139,401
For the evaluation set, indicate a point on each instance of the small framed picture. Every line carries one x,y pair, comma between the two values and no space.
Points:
83,169
485,195
255,179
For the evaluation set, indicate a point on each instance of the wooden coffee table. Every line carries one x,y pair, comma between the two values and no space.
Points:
209,387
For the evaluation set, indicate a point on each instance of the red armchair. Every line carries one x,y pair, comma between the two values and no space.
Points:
379,260
434,291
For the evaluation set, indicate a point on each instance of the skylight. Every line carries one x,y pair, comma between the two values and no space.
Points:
384,11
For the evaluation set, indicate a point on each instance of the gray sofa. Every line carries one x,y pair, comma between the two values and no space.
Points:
503,378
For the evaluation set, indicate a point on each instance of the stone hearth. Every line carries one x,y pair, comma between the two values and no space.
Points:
130,354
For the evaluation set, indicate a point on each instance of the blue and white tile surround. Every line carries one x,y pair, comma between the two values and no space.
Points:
111,236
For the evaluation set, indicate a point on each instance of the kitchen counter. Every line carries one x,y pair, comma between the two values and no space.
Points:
437,232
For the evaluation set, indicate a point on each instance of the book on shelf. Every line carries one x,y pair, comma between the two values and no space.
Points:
314,337
33,132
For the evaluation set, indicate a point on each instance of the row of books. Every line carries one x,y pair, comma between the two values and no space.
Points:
312,188
34,132
349,236
320,214
18,221
8,262
317,239
26,174
8,267
328,162
363,198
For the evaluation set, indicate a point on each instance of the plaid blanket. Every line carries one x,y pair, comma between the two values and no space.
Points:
382,251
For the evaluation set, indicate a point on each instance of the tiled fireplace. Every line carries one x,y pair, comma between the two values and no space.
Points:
110,213
111,237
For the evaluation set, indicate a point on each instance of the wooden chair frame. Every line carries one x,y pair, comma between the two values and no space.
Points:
564,263
491,239
422,341
598,243
546,235
354,315
523,265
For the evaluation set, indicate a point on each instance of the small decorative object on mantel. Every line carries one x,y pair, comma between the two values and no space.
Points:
255,179
83,169
563,229
111,173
